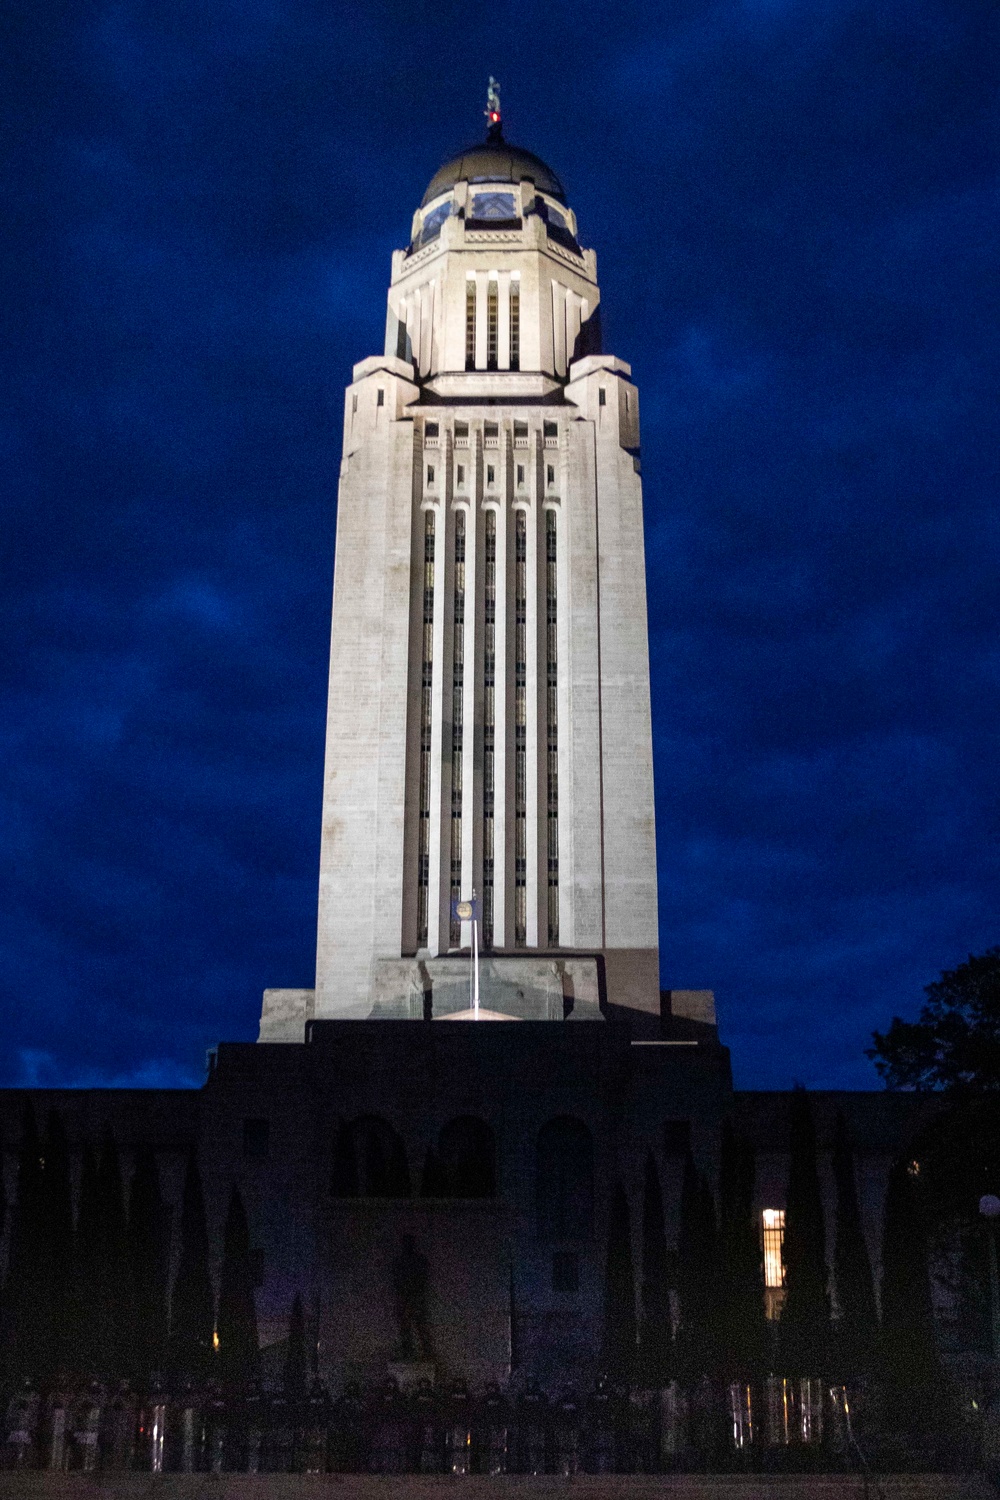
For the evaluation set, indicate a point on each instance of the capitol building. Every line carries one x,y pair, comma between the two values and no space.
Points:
487,1062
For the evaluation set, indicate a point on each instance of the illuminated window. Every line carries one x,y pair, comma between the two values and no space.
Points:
431,226
493,206
457,690
489,717
492,325
520,729
515,324
426,681
470,324
773,1236
552,758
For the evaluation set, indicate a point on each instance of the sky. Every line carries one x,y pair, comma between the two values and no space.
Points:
794,207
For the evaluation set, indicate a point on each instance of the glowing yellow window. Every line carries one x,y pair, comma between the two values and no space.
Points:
773,1236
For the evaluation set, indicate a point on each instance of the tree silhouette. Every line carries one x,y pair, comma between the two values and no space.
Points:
113,1290
743,1345
24,1288
655,1333
3,1225
376,1170
955,1042
192,1305
86,1344
239,1347
910,1368
295,1374
697,1277
149,1256
618,1347
804,1329
56,1249
858,1321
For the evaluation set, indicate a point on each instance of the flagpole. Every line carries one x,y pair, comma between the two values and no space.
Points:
475,956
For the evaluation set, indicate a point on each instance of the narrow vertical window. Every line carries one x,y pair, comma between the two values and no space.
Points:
492,325
520,729
773,1237
470,324
380,397
489,716
426,699
552,725
515,323
457,708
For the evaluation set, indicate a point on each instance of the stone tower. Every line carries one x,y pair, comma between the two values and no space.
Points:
488,728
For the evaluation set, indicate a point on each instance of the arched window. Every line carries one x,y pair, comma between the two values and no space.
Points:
369,1161
466,1159
564,1180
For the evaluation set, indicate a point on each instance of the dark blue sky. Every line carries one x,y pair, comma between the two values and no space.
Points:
794,207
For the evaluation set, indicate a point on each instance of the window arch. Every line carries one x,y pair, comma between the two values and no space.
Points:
466,1159
369,1160
564,1180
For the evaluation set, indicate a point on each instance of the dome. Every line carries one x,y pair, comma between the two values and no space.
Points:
494,160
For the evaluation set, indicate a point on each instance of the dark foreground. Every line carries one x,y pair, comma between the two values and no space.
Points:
431,1487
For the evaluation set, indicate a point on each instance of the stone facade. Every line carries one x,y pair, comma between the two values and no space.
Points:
491,1255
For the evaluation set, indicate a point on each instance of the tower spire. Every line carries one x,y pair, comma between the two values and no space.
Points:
494,129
